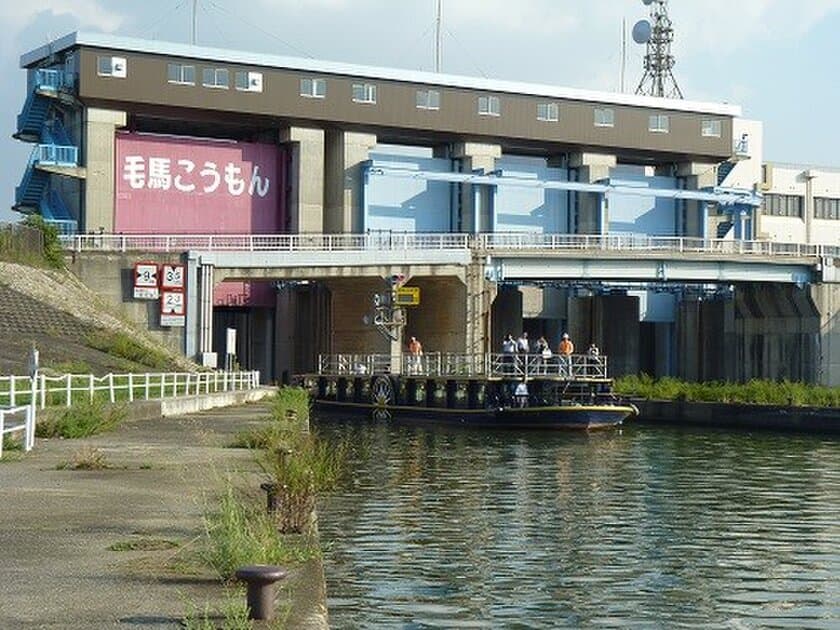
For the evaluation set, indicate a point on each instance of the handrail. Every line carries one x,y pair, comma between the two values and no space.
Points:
436,364
479,244
28,426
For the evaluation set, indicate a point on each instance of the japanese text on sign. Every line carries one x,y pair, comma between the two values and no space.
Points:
159,173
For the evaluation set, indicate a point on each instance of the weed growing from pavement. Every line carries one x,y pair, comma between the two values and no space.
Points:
233,616
87,458
81,420
144,544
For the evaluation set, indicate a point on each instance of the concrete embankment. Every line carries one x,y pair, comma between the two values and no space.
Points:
773,417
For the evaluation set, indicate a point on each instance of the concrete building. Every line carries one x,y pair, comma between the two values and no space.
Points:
328,166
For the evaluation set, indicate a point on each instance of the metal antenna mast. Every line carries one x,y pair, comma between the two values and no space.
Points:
438,41
657,34
194,21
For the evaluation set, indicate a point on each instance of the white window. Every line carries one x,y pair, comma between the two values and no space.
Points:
428,99
364,93
659,123
604,117
549,112
215,78
249,81
111,67
489,106
313,88
710,129
181,74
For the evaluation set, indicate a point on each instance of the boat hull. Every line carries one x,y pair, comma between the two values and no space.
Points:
580,417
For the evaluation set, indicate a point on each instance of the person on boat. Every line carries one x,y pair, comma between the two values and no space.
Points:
544,352
566,350
508,352
593,360
415,351
520,394
523,346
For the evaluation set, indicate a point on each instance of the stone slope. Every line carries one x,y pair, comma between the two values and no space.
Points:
56,312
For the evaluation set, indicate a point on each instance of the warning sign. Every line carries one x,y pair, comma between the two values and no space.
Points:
146,281
172,308
172,277
407,296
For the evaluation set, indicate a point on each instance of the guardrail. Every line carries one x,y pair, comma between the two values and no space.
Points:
510,366
68,388
269,242
487,243
28,426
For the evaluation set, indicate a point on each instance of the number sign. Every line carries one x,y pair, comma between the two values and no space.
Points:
145,281
172,308
172,277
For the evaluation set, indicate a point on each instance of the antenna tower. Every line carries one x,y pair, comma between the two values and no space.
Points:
657,34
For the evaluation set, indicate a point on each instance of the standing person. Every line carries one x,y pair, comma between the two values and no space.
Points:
415,350
508,352
593,360
523,347
566,349
544,352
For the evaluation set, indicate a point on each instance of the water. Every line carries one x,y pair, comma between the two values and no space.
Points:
643,527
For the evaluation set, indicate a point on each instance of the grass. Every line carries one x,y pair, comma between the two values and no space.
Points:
240,532
144,544
762,392
124,346
87,458
12,443
81,420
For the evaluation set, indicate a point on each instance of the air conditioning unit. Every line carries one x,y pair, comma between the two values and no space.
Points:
119,67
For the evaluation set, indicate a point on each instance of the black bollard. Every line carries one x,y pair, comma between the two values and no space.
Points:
260,579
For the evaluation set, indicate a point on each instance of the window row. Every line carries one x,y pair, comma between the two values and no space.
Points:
826,208
365,93
782,205
244,81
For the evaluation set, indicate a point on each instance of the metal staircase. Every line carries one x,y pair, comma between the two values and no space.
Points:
724,169
53,154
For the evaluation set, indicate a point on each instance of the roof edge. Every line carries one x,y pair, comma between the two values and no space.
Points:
103,40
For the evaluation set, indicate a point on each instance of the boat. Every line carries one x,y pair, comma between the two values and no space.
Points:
490,391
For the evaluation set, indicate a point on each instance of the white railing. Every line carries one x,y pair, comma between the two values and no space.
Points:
513,366
479,243
377,241
28,426
69,388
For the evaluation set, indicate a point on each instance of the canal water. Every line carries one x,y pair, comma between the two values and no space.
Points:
639,527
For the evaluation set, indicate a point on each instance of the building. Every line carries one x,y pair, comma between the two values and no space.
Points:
137,137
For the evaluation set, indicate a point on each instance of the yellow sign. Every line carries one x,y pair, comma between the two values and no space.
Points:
407,296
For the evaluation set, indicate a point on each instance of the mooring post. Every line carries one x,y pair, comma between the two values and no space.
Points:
260,579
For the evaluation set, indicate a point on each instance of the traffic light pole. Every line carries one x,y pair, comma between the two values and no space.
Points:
389,319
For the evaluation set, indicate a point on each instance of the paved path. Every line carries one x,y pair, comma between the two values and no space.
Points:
56,526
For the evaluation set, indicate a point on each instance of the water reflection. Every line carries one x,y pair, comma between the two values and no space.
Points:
641,527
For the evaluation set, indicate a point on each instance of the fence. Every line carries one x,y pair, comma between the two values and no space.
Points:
28,426
20,242
513,366
67,389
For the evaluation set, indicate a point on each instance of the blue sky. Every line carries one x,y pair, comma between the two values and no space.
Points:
775,58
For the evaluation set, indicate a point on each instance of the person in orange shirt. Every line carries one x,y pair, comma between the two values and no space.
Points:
566,350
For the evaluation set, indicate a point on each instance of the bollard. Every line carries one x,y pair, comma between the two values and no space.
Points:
260,579
272,500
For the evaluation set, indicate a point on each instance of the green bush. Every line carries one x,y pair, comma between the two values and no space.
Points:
291,403
81,420
755,391
53,251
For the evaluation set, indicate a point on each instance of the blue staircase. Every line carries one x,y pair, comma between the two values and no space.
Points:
56,212
43,90
724,168
724,228
35,181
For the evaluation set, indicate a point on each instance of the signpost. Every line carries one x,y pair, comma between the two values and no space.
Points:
146,281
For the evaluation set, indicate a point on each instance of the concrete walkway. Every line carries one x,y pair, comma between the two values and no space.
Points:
56,527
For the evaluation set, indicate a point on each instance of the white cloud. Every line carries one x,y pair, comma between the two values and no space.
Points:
88,13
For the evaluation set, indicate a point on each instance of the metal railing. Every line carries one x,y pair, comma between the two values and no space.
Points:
68,388
28,426
513,366
57,155
269,242
488,243
49,79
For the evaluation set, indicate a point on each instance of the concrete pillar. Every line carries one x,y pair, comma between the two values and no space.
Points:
479,301
826,298
440,321
612,323
306,179
99,160
345,152
351,300
695,221
205,316
506,316
477,200
591,216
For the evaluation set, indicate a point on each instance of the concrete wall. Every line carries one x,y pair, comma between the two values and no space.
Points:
506,316
519,209
98,157
826,298
612,323
652,216
440,320
345,153
351,300
306,179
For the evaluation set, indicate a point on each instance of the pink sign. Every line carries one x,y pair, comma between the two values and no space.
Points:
169,185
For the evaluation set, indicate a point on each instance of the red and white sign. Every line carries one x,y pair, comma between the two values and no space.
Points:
145,281
174,185
172,277
173,308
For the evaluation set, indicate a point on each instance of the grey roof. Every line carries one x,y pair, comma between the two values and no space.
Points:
174,49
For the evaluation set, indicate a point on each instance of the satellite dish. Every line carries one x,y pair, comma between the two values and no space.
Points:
647,2
641,32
